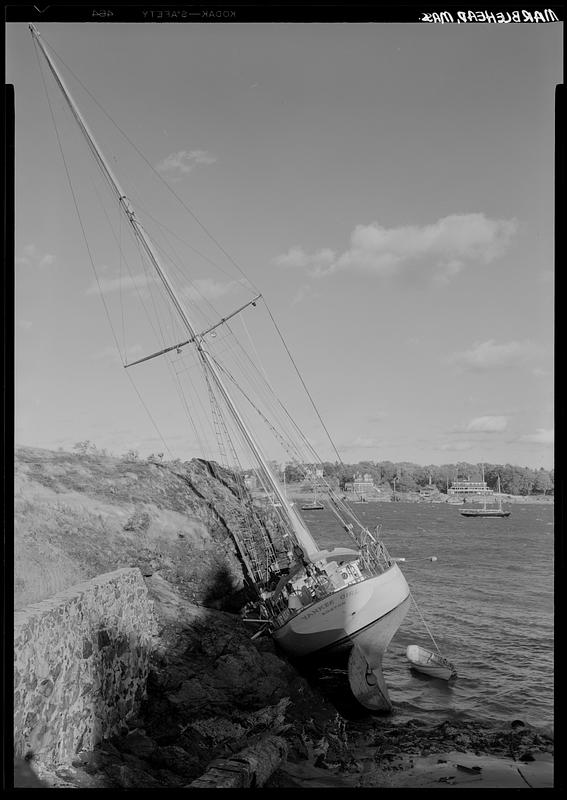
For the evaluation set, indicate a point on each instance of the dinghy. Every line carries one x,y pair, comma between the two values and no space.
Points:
430,663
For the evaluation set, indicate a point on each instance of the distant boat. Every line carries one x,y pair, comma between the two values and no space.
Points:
314,505
485,511
430,663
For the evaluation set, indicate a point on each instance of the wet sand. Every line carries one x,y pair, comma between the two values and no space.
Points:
439,771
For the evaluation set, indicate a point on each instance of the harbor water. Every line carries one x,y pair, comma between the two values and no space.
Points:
483,588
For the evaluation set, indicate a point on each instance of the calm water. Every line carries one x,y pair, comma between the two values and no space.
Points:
487,599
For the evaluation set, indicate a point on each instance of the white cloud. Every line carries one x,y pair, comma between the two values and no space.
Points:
541,436
487,425
444,246
184,162
447,270
33,257
490,355
119,284
296,257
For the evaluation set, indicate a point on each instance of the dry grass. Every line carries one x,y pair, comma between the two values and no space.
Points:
77,516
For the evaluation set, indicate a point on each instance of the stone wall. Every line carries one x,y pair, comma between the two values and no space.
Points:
81,663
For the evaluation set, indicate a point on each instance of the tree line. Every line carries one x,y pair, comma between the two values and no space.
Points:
410,477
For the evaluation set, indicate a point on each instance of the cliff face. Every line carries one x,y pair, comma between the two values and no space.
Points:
77,516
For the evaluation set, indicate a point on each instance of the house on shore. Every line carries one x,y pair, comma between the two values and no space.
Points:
463,488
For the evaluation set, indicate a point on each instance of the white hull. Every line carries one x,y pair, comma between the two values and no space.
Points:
362,617
430,663
361,612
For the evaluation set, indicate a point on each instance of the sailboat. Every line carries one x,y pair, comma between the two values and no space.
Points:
314,505
314,601
486,511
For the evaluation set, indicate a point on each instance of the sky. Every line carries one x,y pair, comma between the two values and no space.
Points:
388,188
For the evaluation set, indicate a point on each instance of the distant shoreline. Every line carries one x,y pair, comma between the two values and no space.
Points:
298,495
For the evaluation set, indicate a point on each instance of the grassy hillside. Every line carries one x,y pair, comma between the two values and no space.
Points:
79,515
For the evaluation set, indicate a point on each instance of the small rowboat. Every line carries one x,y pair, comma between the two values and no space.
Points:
430,663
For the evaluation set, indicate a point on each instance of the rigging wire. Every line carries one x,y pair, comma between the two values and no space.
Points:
213,239
90,255
185,403
75,200
337,506
259,370
160,177
179,270
123,356
97,158
141,207
427,628
303,383
157,316
161,334
122,304
148,412
287,445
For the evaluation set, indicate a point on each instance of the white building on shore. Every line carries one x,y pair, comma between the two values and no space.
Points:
469,487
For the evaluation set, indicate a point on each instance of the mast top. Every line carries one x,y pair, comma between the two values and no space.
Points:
300,530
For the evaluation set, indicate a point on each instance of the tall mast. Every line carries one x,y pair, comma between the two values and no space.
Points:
303,535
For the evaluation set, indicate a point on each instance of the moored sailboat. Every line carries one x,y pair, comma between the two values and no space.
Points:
313,505
314,601
486,510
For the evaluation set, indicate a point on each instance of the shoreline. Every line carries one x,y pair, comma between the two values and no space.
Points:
459,755
298,495
454,769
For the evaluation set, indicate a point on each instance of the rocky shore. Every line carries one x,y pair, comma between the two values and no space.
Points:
220,705
218,700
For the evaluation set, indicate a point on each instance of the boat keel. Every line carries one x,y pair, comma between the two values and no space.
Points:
367,683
